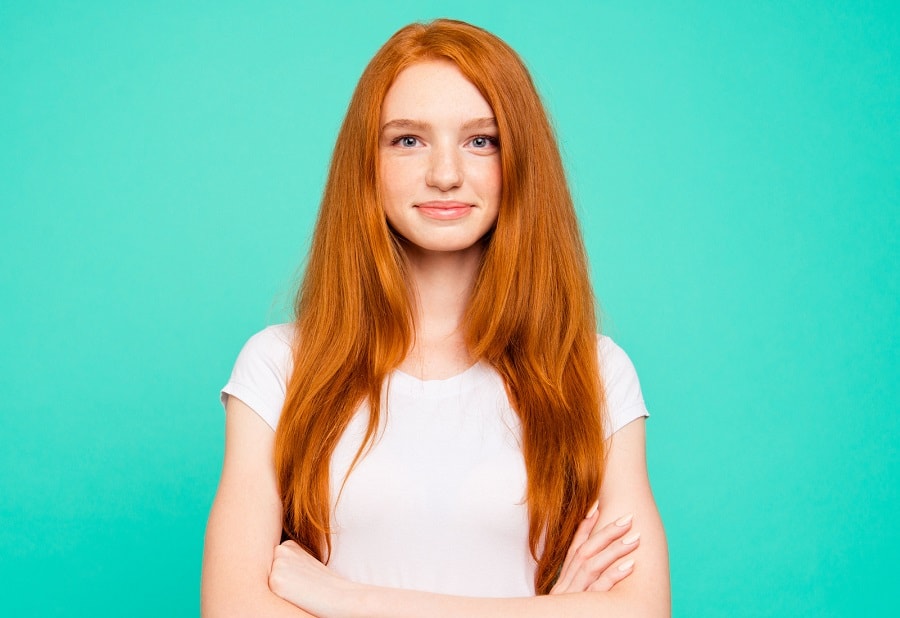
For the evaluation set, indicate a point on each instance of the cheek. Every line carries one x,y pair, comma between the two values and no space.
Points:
394,187
384,174
490,180
497,179
394,181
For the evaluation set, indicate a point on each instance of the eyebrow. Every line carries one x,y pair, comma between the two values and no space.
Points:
488,122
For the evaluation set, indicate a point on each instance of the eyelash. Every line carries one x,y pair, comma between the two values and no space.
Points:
491,141
400,139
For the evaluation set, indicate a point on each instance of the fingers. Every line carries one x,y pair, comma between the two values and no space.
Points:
278,580
582,533
291,564
601,551
589,562
599,567
603,537
613,575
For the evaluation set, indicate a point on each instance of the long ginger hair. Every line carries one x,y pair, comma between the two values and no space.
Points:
531,314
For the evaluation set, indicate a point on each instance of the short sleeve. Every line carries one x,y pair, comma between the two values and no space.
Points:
260,374
624,400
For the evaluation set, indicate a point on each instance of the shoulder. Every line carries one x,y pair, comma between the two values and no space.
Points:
621,387
269,349
275,339
260,374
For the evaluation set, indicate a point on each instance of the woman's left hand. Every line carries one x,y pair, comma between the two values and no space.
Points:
300,579
595,560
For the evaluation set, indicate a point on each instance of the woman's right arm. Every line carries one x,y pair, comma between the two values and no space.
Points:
244,524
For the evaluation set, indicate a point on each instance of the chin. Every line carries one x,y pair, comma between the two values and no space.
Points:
435,247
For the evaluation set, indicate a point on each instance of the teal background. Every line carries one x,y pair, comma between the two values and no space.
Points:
736,166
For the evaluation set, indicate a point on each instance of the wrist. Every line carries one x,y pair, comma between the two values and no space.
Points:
372,602
361,601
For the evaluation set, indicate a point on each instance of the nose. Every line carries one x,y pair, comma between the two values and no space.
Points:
445,168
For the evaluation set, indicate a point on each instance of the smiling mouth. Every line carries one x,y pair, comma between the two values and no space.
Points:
444,211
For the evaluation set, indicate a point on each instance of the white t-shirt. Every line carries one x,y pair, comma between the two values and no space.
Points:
437,503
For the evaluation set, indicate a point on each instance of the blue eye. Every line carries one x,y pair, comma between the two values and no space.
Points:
407,141
484,141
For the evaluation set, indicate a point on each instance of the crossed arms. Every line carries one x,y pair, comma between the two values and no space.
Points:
246,572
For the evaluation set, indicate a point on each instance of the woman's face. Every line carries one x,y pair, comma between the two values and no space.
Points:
439,159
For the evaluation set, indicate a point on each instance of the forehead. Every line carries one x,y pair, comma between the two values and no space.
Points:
433,91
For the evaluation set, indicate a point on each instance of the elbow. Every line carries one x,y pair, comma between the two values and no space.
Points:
235,606
652,603
229,598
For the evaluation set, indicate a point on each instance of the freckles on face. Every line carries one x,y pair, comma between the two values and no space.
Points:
439,159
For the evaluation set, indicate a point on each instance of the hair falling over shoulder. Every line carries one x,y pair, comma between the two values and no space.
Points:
531,315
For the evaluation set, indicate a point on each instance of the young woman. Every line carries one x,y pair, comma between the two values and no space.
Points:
440,432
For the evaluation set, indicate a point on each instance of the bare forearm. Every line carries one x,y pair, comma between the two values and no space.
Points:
229,591
374,602
263,605
304,581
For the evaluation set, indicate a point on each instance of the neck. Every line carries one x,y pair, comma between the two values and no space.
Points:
442,285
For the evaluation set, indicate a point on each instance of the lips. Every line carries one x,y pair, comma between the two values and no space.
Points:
444,211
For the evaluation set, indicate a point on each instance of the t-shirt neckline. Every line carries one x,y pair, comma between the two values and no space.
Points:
407,383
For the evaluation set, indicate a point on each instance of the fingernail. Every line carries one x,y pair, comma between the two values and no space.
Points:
631,539
626,566
624,520
593,509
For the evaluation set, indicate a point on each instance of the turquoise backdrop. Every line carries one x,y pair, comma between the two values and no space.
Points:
737,169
